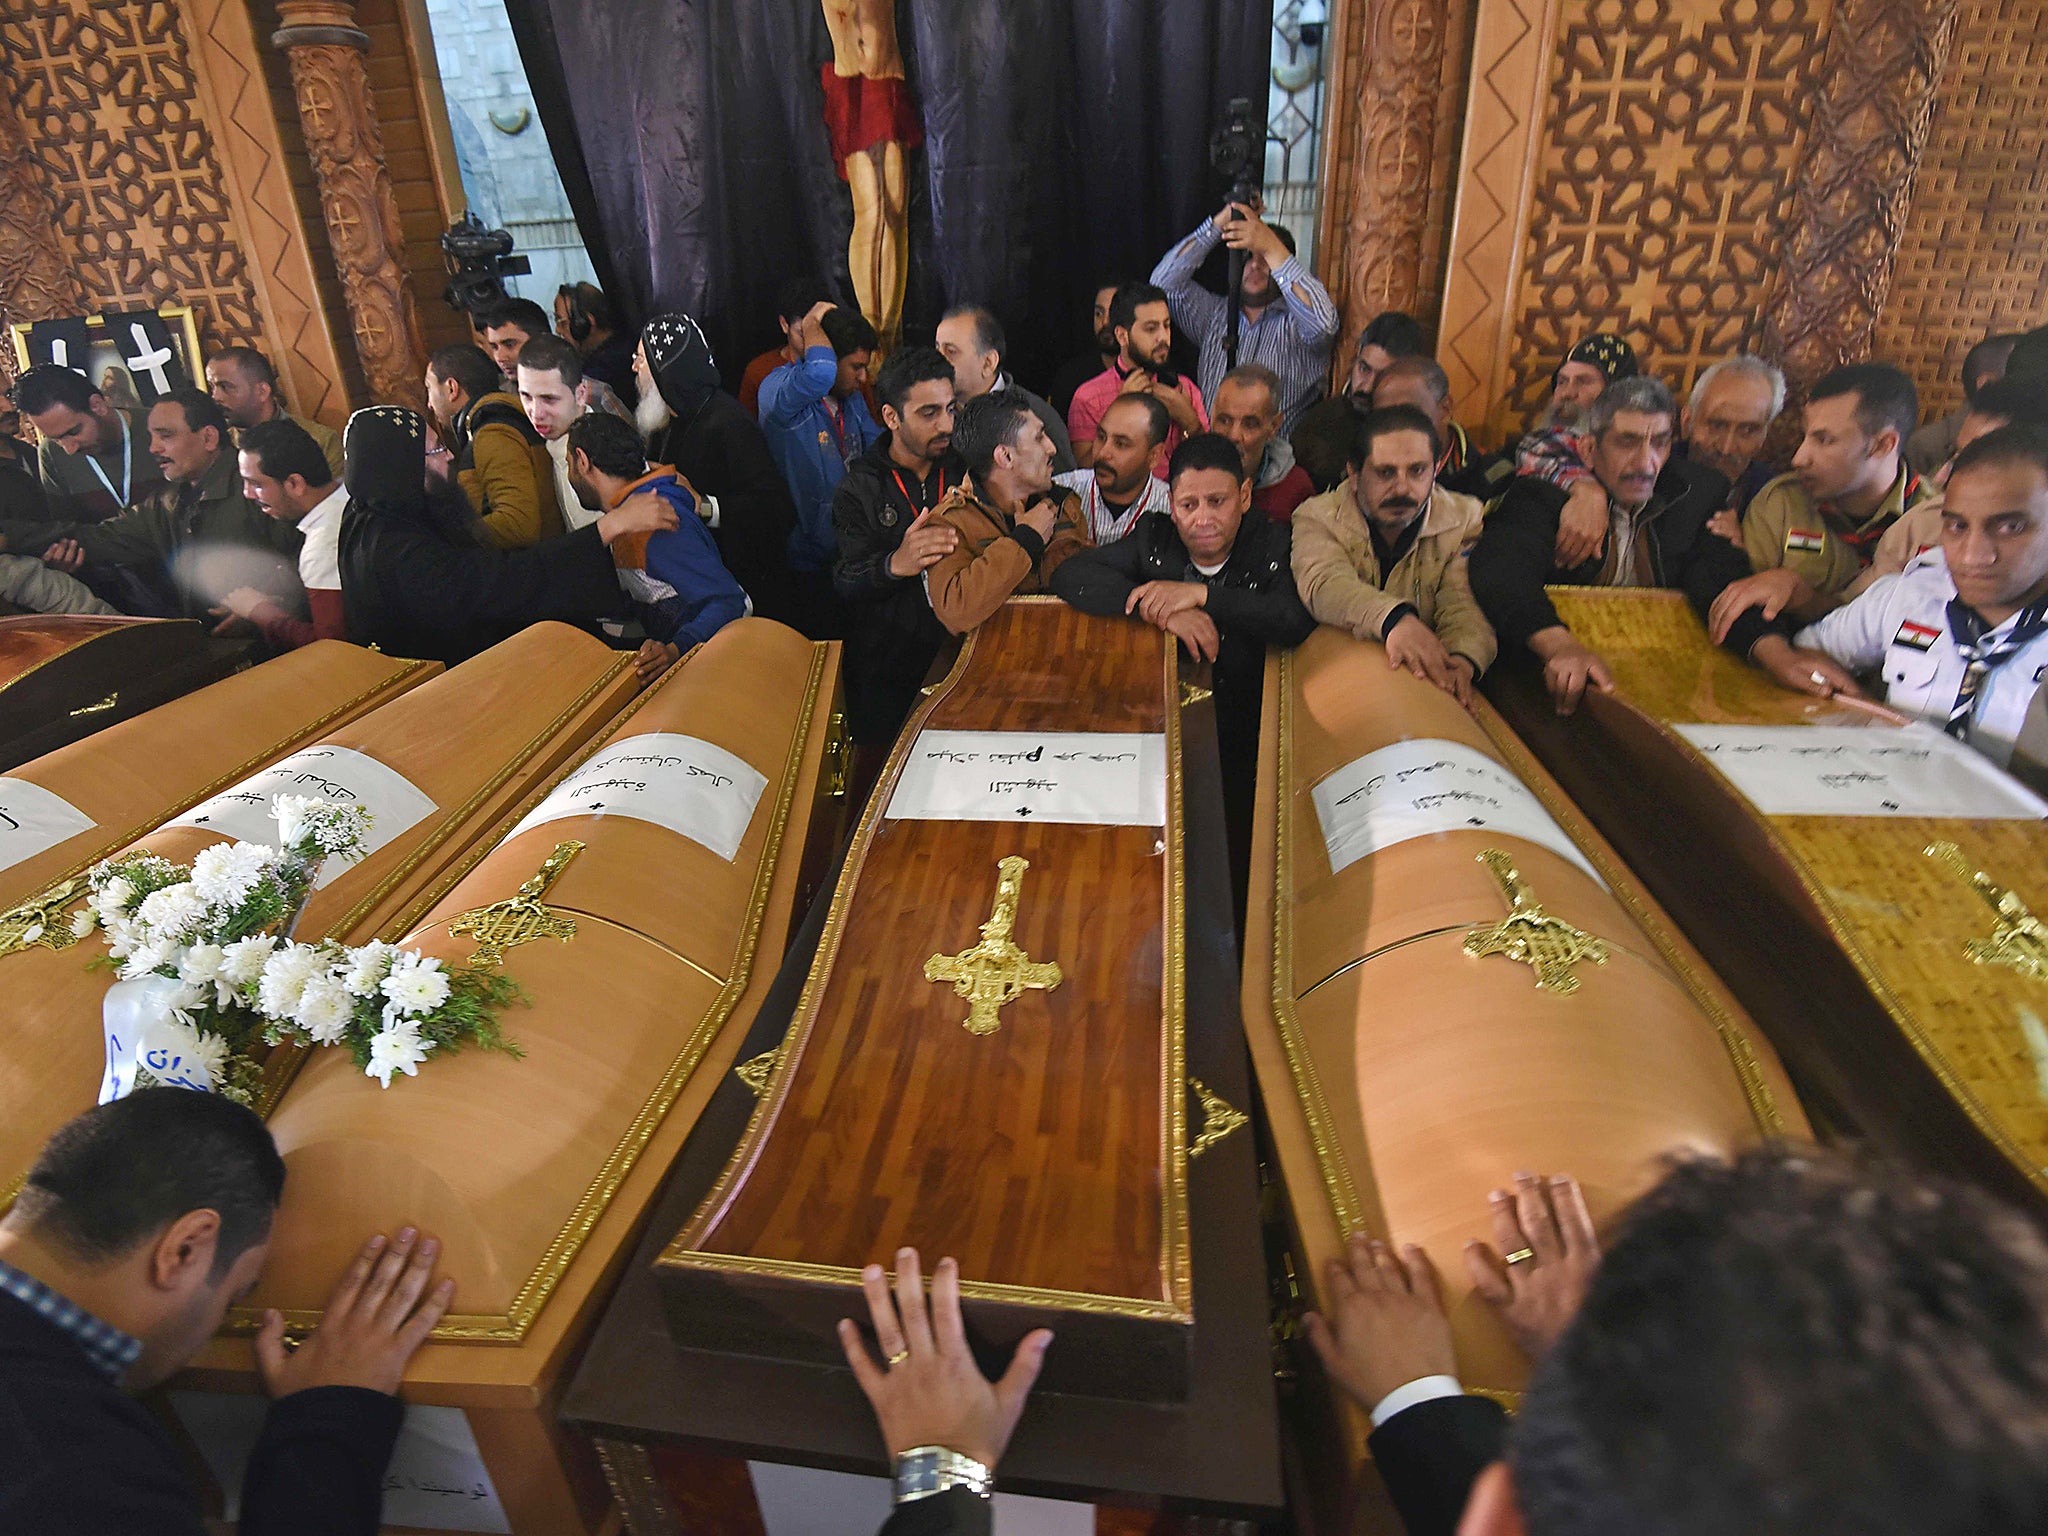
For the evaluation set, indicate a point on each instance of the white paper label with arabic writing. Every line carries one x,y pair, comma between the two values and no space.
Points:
1423,787
1847,770
34,820
695,788
340,774
1093,778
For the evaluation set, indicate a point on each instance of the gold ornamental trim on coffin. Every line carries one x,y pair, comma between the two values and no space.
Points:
512,1326
1177,1244
1341,1187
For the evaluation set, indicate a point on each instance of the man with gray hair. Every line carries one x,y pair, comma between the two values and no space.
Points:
1732,406
972,339
1246,409
1652,540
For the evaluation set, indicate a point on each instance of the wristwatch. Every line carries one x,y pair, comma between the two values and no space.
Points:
924,1470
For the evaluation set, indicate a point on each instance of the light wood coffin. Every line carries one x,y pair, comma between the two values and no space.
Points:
467,744
536,1173
1047,1153
1855,950
64,676
1403,1077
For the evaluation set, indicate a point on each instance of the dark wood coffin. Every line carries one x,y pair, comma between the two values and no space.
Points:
64,676
1042,1143
1906,1006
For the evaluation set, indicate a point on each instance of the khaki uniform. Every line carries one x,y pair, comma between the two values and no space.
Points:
1337,571
1915,533
996,558
1784,528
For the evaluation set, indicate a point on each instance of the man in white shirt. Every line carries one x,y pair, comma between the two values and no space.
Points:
554,393
284,472
1122,484
1961,635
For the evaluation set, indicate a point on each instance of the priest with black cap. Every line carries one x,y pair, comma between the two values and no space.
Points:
420,578
692,425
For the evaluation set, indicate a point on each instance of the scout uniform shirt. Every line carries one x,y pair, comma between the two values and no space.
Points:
1784,527
1902,624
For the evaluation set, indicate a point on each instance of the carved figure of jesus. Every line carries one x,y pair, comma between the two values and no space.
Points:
873,125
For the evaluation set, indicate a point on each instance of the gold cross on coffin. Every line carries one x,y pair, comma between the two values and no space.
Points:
995,972
1532,936
519,919
2019,942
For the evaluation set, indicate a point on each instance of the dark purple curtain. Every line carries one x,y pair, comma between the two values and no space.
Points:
1063,139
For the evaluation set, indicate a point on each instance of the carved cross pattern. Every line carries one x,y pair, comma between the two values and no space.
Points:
1531,936
995,973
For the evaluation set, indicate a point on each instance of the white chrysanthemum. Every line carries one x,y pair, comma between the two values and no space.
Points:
83,921
115,894
212,1053
368,965
333,827
243,961
226,873
120,937
173,913
417,984
396,1050
201,964
142,960
285,975
324,1009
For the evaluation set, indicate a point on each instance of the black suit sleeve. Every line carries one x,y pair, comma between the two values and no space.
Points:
1100,578
318,1467
956,1512
1512,561
1430,1455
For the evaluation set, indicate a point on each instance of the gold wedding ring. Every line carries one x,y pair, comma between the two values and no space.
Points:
1521,1256
898,1358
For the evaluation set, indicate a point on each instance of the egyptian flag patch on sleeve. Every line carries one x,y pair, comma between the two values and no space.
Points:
1916,637
1805,541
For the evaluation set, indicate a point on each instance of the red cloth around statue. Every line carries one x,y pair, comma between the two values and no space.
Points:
861,111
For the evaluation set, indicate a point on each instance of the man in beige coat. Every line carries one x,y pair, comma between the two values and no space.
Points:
1383,554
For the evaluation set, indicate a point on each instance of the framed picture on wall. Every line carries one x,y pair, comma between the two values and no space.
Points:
132,356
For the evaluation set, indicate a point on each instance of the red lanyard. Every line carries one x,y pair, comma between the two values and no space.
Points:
905,489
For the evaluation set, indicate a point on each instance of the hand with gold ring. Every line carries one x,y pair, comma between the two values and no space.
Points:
1544,1256
931,1392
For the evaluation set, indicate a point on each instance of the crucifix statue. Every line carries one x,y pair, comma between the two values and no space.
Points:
873,124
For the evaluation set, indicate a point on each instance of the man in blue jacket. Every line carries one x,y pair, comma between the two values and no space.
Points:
678,588
817,423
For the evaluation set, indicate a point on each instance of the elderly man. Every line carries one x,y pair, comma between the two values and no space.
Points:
1384,555
94,459
1731,408
1810,535
1322,437
1652,540
972,340
1247,411
1286,319
244,384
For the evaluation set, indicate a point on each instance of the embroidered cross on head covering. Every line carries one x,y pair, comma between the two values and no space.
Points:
685,372
384,453
1607,352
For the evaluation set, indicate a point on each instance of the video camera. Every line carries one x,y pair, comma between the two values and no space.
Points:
479,260
1237,149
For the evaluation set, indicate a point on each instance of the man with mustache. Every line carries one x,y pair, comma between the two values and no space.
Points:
1286,320
94,458
1123,485
194,540
1142,322
1384,555
1651,540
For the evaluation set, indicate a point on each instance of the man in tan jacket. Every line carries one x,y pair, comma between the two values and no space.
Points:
1015,525
1383,554
500,461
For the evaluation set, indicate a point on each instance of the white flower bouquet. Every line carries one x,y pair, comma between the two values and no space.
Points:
222,979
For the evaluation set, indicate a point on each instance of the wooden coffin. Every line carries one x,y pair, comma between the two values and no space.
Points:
1908,1008
1404,1076
440,765
64,676
536,1173
1040,1142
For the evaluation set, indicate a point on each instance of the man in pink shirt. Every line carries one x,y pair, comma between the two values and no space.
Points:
1143,326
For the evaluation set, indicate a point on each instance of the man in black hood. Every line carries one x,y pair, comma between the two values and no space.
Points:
692,425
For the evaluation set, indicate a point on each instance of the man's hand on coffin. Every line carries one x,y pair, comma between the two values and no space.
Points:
1568,667
65,555
931,1392
1773,591
1728,524
1813,672
1547,1220
1157,601
654,658
1582,526
925,544
237,611
1414,645
1386,1325
1195,630
379,1315
643,513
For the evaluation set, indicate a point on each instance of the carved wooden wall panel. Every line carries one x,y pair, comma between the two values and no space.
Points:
35,279
1973,256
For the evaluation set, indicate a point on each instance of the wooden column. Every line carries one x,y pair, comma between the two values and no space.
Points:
36,281
326,50
1878,83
